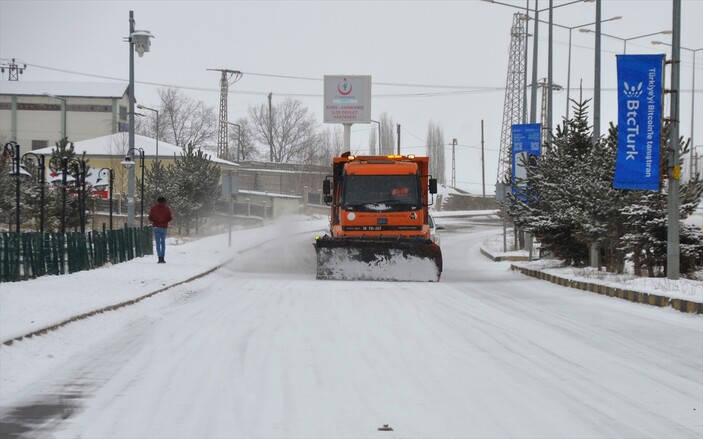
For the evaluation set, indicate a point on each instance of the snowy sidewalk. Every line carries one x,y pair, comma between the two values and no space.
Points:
682,294
36,304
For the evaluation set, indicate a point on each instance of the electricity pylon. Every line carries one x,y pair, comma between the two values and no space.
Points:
514,106
227,75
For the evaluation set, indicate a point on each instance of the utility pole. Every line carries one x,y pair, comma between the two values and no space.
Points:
130,171
222,150
270,129
550,78
398,139
674,171
596,81
483,164
453,163
533,91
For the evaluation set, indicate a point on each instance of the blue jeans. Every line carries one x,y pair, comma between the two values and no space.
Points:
160,237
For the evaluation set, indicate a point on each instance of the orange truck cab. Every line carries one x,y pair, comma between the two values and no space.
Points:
379,211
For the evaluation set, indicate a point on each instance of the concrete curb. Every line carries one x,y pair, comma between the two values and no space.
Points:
631,295
56,326
503,258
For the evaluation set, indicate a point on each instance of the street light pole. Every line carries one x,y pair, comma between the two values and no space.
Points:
142,107
130,170
128,163
625,40
13,150
140,42
693,101
535,47
673,238
64,115
379,134
61,163
568,74
40,180
79,170
111,181
156,161
533,92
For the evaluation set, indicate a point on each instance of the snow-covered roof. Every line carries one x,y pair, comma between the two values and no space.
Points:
116,144
64,89
269,194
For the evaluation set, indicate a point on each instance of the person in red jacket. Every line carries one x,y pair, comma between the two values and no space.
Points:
160,216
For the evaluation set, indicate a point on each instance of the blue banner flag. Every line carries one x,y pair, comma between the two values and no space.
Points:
639,121
527,141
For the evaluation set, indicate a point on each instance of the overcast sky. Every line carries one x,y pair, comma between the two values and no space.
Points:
444,61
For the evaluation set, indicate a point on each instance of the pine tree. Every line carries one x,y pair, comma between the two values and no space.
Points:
7,192
194,188
65,151
569,204
646,219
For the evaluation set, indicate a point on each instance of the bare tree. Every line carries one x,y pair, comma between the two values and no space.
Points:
372,141
387,145
289,128
331,144
435,151
184,121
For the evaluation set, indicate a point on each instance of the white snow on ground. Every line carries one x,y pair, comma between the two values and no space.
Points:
259,348
686,289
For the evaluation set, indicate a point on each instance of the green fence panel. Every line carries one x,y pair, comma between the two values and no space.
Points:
38,268
11,250
55,254
5,261
31,254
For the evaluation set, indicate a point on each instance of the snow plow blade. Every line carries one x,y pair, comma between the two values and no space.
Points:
393,259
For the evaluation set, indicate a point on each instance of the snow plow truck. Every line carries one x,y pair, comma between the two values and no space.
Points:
379,220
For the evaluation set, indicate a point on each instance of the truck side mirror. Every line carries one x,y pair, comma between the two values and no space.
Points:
433,185
326,187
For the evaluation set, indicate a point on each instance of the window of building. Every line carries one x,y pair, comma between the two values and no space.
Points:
39,144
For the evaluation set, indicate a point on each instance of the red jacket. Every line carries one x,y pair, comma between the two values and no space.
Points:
160,215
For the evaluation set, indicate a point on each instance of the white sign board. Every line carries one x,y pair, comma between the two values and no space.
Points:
347,99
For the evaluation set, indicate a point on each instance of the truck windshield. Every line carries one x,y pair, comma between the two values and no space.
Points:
381,192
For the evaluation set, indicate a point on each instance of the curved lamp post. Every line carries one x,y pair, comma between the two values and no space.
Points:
110,183
13,150
61,163
128,163
40,158
78,170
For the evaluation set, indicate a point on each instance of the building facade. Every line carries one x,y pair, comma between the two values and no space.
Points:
38,114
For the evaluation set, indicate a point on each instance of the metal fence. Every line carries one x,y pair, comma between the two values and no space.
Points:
30,255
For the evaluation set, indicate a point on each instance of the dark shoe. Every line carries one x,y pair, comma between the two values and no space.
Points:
161,261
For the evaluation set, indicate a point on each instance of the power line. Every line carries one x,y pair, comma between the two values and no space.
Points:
462,89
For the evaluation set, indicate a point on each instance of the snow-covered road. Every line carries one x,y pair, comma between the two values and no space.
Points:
260,348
